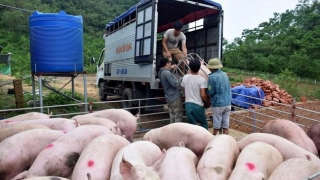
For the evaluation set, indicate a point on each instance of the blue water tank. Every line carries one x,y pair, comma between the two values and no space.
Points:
56,43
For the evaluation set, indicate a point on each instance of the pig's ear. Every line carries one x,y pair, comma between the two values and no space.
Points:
181,144
157,165
149,139
50,114
125,168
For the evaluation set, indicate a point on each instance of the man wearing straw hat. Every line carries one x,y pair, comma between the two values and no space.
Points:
219,91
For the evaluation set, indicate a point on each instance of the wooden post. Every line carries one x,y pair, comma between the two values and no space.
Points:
18,91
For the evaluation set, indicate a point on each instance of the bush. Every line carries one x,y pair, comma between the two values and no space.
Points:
287,80
53,99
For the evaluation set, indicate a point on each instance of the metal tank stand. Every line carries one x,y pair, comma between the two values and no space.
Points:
42,84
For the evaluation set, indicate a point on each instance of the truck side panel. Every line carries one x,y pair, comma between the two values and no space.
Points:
120,53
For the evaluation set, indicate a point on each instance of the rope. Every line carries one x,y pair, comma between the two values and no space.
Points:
26,10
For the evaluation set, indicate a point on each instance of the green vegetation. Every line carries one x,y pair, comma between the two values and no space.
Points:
14,31
290,40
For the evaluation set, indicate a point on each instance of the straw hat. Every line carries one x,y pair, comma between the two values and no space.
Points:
214,63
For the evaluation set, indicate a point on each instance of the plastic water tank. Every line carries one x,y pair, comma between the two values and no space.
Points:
56,43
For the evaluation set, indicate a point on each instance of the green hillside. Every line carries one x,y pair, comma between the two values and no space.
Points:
14,25
289,40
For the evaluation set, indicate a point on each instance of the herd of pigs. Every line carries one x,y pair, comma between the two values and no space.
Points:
99,146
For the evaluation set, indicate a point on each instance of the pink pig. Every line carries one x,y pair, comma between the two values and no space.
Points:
292,132
59,157
47,178
136,161
62,124
194,137
179,163
295,168
97,157
12,130
28,116
287,148
218,158
256,162
126,121
100,121
20,150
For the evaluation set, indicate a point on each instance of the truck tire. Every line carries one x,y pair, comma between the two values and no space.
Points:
102,94
128,95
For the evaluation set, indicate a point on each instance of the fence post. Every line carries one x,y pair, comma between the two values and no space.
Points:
253,120
293,107
139,120
298,79
242,71
268,74
254,73
315,81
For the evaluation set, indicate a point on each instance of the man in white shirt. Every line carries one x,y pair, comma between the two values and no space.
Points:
195,93
170,43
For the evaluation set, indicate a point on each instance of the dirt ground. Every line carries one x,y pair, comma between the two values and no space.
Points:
58,82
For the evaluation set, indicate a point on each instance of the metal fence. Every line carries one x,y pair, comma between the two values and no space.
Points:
238,111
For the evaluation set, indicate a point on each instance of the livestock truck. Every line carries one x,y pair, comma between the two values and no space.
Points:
129,63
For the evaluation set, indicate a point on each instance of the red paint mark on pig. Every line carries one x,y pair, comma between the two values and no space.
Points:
251,166
64,132
50,146
7,121
90,163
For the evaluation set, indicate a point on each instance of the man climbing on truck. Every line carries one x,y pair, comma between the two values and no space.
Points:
170,44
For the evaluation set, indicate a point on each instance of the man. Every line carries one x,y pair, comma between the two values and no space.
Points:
170,43
219,91
171,85
195,92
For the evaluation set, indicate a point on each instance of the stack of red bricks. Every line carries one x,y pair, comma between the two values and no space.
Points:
273,94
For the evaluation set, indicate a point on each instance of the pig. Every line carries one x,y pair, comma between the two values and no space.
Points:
15,129
287,148
292,132
295,168
219,158
314,134
100,121
97,157
126,121
47,178
137,161
28,116
256,162
62,124
179,163
20,150
59,157
193,136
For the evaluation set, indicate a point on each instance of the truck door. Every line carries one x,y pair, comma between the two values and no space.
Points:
145,23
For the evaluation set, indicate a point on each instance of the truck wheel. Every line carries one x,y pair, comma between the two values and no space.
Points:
102,94
128,95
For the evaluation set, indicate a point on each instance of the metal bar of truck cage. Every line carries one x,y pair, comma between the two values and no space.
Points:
312,176
198,4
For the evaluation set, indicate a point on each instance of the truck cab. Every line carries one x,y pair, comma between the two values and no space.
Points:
129,63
